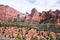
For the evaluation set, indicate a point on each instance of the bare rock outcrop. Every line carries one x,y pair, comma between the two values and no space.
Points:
7,13
36,15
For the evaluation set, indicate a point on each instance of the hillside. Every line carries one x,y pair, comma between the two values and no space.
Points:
15,25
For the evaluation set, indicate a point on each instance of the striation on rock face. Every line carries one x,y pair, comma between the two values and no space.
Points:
54,14
36,15
45,15
7,13
32,12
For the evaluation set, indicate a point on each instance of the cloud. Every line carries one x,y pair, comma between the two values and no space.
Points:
27,5
32,1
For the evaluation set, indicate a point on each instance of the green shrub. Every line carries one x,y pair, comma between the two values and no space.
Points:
20,37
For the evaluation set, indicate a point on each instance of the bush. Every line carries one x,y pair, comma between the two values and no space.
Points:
20,37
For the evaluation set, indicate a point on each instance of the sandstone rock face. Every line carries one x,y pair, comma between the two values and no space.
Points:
45,15
24,16
58,13
32,12
36,15
54,14
7,13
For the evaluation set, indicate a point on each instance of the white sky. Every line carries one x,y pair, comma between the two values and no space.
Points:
27,5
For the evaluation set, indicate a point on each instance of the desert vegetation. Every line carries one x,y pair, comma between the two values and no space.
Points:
29,32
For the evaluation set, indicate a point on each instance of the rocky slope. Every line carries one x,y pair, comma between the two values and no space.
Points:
7,13
46,16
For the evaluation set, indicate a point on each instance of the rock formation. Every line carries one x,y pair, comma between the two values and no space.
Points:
36,15
7,13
